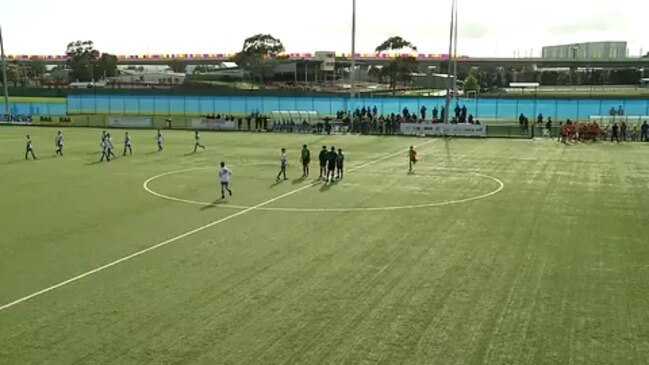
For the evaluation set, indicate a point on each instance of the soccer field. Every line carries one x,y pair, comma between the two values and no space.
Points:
493,251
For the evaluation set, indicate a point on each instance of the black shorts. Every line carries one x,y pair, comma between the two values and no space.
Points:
306,162
332,167
339,166
323,164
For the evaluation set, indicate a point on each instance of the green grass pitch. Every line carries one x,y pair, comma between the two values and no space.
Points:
494,251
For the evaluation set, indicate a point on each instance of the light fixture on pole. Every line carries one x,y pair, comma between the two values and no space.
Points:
4,74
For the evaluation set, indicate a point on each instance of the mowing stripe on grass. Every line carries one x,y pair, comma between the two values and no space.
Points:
186,234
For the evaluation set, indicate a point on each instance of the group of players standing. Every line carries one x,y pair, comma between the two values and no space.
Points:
331,163
106,145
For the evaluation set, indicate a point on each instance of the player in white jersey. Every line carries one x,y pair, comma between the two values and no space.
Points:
197,140
104,149
109,146
29,149
282,165
127,144
224,177
58,142
158,138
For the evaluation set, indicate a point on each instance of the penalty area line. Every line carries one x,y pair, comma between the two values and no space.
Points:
184,235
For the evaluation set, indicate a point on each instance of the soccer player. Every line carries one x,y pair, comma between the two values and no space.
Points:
127,144
158,138
634,133
282,165
109,146
340,160
306,160
29,148
412,158
324,156
197,139
58,142
331,164
224,176
615,135
104,149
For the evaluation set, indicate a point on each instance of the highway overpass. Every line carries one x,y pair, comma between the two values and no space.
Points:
342,59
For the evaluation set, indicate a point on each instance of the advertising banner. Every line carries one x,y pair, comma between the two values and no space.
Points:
130,122
453,130
213,124
16,119
53,120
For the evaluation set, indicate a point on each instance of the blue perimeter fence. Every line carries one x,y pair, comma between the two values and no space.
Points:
190,106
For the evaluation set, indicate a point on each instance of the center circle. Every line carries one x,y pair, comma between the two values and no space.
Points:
499,186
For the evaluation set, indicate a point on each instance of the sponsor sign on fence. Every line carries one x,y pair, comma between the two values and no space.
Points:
130,122
16,119
213,124
53,120
454,130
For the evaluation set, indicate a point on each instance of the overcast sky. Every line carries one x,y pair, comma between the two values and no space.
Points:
487,28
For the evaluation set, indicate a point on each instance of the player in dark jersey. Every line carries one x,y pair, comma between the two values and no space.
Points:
324,157
29,149
158,138
412,158
306,160
331,164
128,142
340,160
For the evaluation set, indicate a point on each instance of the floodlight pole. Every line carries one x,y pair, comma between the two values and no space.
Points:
4,74
455,91
352,75
450,65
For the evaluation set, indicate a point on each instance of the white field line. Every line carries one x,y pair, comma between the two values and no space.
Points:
501,186
186,234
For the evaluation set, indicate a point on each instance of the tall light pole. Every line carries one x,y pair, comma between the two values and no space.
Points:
450,65
4,74
455,22
352,70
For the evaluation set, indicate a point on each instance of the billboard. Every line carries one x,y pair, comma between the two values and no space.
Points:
455,130
213,124
130,122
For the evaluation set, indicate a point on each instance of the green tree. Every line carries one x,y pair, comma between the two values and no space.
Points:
258,56
13,75
37,69
399,69
83,57
376,73
178,66
471,84
106,66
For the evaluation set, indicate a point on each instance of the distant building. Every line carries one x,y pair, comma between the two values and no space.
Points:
589,50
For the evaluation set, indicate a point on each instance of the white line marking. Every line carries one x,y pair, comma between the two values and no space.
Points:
179,237
501,186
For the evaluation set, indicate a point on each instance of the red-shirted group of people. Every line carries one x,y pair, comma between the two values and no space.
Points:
578,131
592,131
